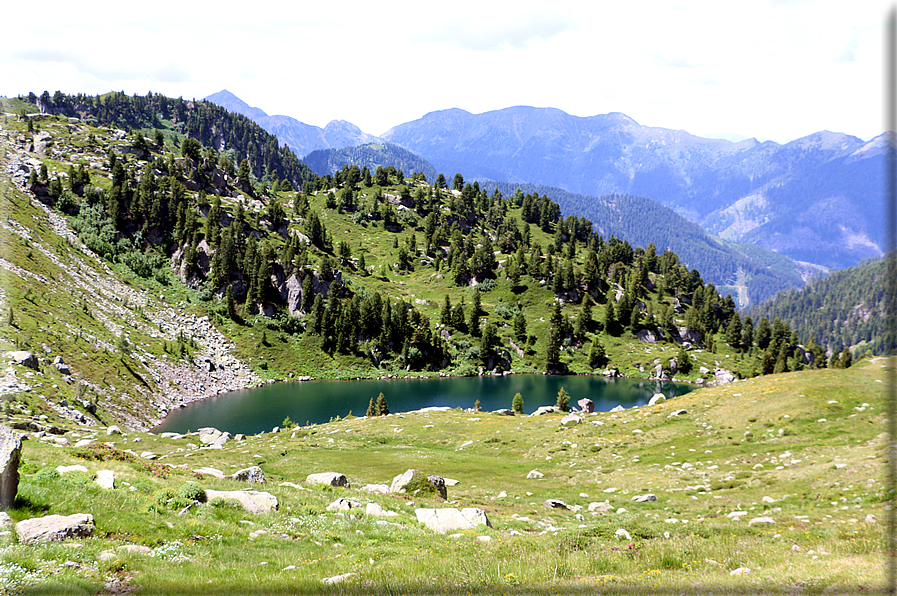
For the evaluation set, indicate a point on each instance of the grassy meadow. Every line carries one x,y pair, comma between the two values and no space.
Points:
802,450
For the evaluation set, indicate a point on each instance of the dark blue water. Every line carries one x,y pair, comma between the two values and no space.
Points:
255,410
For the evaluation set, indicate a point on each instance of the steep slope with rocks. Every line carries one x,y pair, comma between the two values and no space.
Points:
94,308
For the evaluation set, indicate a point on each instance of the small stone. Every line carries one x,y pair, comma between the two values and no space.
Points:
740,571
622,534
336,579
105,479
761,520
535,474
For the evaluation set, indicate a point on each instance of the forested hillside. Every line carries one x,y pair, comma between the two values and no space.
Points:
847,309
641,221
371,156
360,273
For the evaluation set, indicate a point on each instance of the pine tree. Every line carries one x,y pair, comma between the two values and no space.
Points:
597,354
517,403
563,401
372,409
520,327
382,408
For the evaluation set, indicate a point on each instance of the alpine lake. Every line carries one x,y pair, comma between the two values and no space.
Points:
260,409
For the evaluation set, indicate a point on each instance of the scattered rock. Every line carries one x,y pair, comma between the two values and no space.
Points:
10,453
55,528
618,409
113,430
535,474
657,398
586,405
253,475
213,437
600,507
252,501
105,479
870,519
413,481
376,510
677,413
544,410
23,358
644,498
336,579
571,420
768,500
504,412
740,571
761,520
328,479
556,504
382,489
343,505
210,472
447,520
136,548
74,468
5,521
622,534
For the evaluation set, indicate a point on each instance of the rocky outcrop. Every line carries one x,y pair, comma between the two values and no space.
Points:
657,398
10,453
447,520
586,405
54,528
328,479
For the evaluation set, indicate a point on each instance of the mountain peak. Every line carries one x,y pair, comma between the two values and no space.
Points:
231,102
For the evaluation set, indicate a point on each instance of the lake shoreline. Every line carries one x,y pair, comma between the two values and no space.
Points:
337,410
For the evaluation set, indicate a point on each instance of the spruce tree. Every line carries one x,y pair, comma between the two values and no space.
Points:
372,409
517,403
382,408
563,401
597,354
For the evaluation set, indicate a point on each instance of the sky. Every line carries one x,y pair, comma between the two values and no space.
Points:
770,69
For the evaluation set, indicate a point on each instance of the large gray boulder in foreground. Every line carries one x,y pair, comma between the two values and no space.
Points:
328,479
253,501
447,520
54,528
10,452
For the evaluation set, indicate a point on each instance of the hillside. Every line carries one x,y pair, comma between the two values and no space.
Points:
815,199
372,156
749,273
846,309
771,485
209,271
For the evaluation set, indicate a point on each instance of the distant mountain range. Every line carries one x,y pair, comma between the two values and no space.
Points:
300,137
817,200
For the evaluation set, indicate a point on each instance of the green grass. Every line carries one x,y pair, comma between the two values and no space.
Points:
817,506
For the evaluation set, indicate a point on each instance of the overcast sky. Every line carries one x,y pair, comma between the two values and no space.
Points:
771,69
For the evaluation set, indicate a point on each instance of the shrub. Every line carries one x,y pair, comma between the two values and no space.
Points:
191,491
47,474
164,495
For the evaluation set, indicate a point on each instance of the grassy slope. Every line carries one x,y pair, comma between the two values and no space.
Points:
725,453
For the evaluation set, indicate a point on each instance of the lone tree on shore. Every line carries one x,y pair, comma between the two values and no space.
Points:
563,401
382,408
517,403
